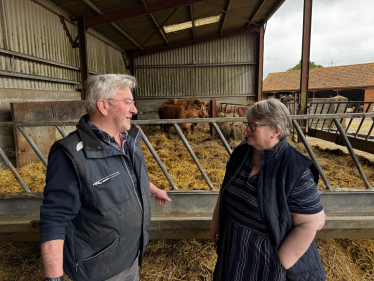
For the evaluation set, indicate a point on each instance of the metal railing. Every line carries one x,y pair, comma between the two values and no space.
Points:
233,107
213,121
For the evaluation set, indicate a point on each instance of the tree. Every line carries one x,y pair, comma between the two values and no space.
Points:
311,65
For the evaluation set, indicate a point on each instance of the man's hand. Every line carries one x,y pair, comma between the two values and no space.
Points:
160,195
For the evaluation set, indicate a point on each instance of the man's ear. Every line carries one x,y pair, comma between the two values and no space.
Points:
103,106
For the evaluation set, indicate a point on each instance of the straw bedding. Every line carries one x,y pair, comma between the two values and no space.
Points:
343,259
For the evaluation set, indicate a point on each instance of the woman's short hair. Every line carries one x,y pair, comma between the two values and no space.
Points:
104,87
274,113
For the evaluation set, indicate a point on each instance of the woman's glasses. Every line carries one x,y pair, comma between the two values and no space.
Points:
253,126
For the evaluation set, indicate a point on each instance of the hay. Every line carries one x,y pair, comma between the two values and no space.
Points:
233,132
347,259
194,260
190,260
340,169
179,163
33,175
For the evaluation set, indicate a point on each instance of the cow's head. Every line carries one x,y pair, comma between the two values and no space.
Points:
202,106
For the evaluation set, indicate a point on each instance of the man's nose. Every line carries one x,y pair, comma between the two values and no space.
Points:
133,109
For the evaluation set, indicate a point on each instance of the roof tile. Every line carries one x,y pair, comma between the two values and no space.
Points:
357,75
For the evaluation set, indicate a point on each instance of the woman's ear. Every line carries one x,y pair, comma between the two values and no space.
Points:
103,106
276,132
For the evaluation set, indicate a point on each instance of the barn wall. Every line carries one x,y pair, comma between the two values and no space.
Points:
227,81
29,29
369,96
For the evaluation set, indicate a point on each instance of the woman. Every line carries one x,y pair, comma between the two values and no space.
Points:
268,210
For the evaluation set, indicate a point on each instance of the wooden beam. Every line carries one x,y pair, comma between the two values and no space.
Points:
100,12
83,56
224,16
192,21
137,11
255,13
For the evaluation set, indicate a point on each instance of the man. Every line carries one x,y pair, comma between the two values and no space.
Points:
95,217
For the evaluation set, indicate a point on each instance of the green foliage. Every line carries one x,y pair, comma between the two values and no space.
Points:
311,65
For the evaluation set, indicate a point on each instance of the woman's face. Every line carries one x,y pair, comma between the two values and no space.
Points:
263,137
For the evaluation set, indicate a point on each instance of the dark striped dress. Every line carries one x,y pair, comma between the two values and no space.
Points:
247,252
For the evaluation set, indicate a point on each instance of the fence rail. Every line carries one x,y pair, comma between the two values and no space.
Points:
334,117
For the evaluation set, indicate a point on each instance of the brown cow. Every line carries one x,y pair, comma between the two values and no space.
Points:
182,112
187,102
238,110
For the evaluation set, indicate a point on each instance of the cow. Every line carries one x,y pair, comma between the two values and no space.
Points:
182,112
186,102
239,111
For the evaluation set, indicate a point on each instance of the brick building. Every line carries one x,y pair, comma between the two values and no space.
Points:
355,82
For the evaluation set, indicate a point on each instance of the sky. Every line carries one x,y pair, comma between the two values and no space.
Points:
342,33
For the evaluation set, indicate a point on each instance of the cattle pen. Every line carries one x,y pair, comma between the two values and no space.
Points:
349,213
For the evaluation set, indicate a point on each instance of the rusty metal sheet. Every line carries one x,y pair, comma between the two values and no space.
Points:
43,137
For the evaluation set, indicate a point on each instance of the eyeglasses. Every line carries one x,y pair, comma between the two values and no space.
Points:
253,126
127,102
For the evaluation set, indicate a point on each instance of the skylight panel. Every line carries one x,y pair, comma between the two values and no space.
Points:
188,24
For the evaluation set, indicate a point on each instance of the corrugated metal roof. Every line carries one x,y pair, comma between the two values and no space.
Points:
357,75
142,27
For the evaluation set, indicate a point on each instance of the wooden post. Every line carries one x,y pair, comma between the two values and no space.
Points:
83,55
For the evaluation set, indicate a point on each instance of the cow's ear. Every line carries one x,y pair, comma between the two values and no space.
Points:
207,106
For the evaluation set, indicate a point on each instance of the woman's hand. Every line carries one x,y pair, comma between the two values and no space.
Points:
214,231
301,236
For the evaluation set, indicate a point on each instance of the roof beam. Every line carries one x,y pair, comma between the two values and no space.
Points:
192,21
276,7
200,40
137,11
50,6
100,12
253,16
224,17
156,23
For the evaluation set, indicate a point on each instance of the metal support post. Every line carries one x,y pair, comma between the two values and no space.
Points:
304,79
158,160
222,138
260,61
198,164
351,151
132,72
336,111
311,154
213,114
14,171
362,120
324,121
33,145
83,55
62,132
371,129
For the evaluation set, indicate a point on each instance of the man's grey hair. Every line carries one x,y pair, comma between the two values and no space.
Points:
104,87
274,113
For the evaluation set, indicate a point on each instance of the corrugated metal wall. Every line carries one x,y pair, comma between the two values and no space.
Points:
30,29
200,81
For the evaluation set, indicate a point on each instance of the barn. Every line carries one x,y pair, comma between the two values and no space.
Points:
187,48
355,82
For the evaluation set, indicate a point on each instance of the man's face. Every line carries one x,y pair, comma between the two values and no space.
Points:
122,109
